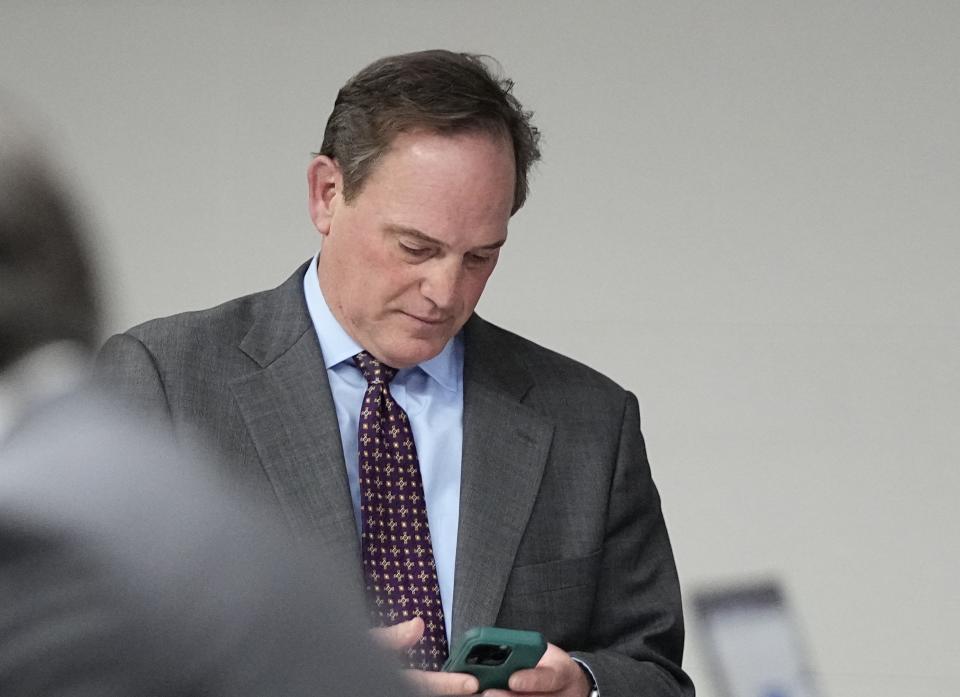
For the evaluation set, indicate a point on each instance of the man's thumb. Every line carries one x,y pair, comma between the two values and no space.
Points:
400,636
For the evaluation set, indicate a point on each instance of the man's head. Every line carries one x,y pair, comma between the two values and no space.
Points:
436,91
424,160
46,288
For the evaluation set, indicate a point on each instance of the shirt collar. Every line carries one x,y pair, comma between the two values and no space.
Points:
337,346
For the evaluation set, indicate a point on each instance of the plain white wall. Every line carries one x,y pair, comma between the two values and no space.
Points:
747,213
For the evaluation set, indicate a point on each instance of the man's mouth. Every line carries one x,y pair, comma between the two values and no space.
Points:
427,320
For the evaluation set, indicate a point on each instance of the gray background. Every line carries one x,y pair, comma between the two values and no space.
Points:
747,213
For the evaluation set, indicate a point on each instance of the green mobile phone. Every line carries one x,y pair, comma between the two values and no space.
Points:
493,654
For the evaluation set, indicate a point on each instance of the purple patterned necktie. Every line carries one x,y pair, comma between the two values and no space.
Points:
398,565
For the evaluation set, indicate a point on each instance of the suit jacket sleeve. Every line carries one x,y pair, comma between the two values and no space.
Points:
637,616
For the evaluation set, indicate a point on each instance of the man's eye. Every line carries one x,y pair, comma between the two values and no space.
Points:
479,258
414,251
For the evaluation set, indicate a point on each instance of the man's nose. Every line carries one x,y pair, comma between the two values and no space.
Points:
441,283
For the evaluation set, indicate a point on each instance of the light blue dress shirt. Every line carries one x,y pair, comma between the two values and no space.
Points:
432,395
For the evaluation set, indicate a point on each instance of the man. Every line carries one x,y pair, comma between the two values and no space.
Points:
124,567
365,386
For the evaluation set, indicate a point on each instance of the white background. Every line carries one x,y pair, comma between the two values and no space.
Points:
747,213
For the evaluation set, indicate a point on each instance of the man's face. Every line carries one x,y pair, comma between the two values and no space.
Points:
404,263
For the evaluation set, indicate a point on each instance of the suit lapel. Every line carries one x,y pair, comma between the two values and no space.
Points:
289,412
505,448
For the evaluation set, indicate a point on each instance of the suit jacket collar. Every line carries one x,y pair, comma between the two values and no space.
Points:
279,320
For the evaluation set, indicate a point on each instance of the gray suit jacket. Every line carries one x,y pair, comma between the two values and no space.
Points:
560,525
125,570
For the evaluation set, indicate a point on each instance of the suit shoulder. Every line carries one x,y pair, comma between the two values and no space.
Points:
224,321
226,324
540,360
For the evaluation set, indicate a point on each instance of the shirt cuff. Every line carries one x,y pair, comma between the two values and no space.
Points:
594,690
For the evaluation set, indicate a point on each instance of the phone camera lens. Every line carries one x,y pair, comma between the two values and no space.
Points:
489,655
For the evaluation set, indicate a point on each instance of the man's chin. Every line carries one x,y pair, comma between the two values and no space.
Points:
413,351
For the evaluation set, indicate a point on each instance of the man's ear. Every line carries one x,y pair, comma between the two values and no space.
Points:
325,184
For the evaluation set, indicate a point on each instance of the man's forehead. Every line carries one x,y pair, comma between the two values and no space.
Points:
425,142
443,187
416,233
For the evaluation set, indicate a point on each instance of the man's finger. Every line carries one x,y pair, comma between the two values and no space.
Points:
556,674
440,683
399,636
539,679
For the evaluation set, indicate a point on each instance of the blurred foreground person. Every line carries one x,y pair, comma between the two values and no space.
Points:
124,568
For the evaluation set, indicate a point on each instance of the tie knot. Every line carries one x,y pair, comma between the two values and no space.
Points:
374,371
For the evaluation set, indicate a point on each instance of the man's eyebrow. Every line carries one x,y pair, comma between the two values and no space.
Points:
423,237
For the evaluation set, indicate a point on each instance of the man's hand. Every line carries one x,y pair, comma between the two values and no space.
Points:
400,637
556,675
